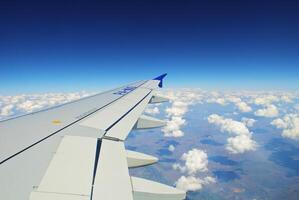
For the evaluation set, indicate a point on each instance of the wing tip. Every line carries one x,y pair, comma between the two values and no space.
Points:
160,78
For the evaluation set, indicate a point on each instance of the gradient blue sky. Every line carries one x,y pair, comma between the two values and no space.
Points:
95,45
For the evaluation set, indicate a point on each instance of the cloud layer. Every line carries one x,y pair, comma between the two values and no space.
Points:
22,104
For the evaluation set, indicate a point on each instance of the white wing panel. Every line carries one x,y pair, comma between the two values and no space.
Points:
20,133
90,167
71,169
112,179
54,196
124,126
113,113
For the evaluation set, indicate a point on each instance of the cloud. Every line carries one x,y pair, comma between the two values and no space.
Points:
266,100
228,125
267,111
241,140
180,101
195,162
220,101
240,144
178,108
191,183
290,125
243,107
22,104
296,107
171,148
287,98
248,122
152,110
7,110
173,126
233,99
228,98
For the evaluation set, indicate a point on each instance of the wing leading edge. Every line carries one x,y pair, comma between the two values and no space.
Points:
84,157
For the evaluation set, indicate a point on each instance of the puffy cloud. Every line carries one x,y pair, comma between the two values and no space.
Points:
296,107
152,110
240,144
279,123
196,160
180,100
228,125
266,100
191,183
189,96
171,148
227,98
248,122
220,101
289,124
242,138
173,126
287,98
267,111
233,99
22,104
243,107
7,110
178,108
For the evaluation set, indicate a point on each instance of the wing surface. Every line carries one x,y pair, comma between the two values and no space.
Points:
76,150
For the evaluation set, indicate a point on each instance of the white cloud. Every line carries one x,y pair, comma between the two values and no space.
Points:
152,110
248,122
189,96
228,125
279,123
178,108
233,99
267,111
290,125
173,126
22,104
242,138
7,110
266,100
171,148
195,161
220,101
287,98
180,101
243,107
191,183
240,144
296,107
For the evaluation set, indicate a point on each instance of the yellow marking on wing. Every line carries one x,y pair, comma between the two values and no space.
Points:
56,122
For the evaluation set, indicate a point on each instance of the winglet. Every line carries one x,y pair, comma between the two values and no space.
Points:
160,78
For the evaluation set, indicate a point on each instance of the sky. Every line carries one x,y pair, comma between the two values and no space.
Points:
95,45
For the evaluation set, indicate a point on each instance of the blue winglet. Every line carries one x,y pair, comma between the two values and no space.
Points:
160,78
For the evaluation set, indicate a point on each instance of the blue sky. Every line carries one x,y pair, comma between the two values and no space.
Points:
95,45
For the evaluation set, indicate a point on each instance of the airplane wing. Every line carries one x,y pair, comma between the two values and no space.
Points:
76,151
